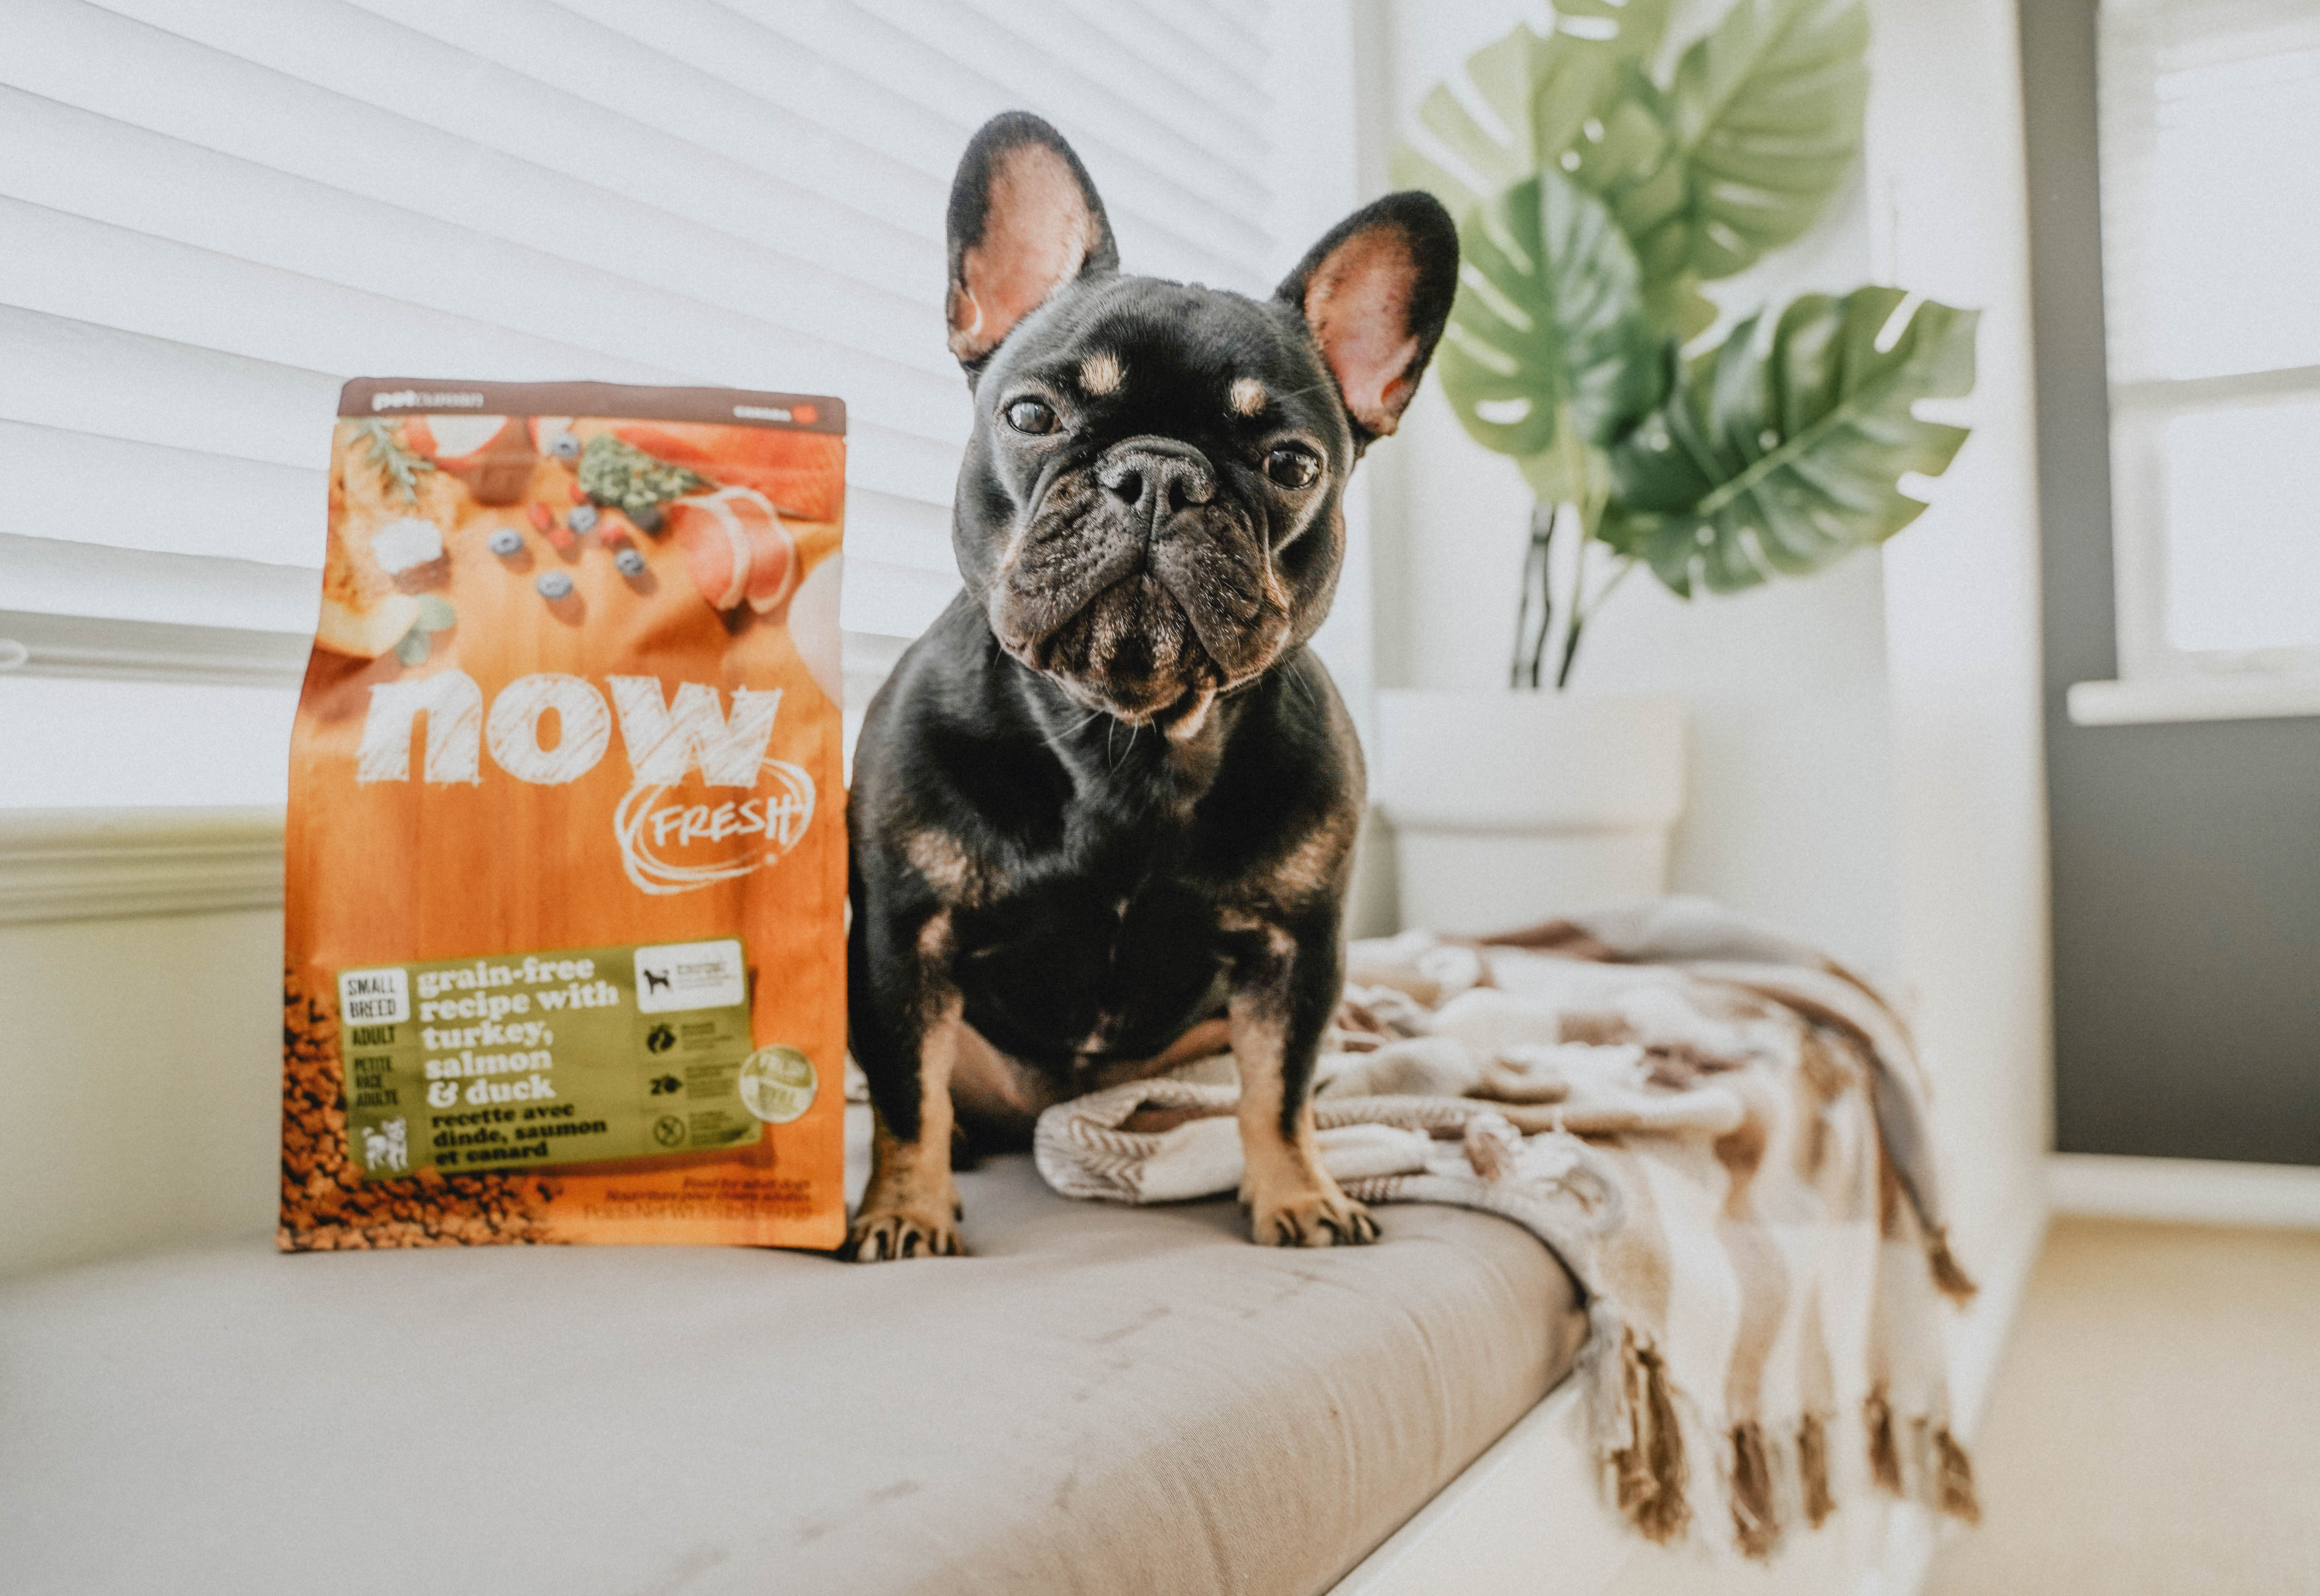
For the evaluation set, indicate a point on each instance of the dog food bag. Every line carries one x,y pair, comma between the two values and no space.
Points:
565,867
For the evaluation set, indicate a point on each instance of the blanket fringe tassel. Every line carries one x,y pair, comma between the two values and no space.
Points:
1920,1461
1812,1469
1639,1437
1637,1434
1776,1479
1958,1497
1949,1274
1755,1514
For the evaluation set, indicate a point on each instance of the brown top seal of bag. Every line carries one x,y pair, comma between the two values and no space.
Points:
399,396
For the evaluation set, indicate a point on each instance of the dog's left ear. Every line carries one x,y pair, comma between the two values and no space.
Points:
1024,220
1376,292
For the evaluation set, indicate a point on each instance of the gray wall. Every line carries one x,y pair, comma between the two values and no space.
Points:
2186,858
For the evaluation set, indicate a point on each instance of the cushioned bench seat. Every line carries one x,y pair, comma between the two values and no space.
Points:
1100,1399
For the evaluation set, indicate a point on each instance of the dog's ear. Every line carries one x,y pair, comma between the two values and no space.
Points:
1376,292
1024,221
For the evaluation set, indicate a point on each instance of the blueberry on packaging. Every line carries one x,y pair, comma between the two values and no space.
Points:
566,880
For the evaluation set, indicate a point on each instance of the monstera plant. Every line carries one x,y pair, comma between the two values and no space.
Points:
1593,201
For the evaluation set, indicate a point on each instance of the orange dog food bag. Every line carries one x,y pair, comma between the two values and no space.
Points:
566,868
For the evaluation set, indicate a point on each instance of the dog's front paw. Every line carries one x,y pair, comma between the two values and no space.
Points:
1309,1215
880,1232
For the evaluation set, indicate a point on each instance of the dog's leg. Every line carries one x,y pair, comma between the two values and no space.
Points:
911,1208
1282,995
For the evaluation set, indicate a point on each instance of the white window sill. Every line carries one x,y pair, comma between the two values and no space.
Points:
37,645
2218,698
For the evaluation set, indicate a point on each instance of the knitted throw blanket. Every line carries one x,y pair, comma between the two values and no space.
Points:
1720,1132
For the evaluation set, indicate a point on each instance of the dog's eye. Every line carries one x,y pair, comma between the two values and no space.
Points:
1032,415
1293,467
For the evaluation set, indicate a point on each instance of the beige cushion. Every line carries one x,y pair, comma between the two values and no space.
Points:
1101,1400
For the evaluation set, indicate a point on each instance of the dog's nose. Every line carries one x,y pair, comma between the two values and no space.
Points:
1157,481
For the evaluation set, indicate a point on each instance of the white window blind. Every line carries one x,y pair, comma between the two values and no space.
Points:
2210,148
213,212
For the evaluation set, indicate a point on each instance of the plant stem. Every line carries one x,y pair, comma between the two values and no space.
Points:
1575,480
1578,616
1611,586
1581,614
1531,641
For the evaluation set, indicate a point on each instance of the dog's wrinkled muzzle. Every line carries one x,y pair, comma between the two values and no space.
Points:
1139,586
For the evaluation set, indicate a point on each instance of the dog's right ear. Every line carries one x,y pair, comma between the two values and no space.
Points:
1024,221
1377,292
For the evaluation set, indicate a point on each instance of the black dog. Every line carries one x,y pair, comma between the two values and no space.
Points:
1104,811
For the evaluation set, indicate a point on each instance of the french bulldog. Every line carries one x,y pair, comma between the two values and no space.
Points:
1104,811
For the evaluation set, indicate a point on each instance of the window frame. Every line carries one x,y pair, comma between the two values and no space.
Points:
2140,414
2154,673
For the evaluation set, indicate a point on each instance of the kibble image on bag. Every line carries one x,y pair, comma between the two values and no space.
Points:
566,858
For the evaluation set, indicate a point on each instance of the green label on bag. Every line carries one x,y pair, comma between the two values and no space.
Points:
544,1058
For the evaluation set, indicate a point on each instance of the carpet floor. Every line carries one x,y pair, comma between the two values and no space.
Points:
2155,1427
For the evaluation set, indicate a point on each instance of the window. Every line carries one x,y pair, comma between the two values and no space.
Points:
2211,252
211,213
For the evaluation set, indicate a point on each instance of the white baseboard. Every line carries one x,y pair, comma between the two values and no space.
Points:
105,864
2185,1191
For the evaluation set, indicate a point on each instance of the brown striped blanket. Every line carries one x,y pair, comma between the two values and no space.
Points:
1721,1132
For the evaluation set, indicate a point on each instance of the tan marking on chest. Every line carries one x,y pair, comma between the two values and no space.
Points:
1312,865
1311,868
956,875
1246,396
1102,373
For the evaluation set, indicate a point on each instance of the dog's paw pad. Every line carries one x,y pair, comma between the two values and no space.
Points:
878,1235
1323,1216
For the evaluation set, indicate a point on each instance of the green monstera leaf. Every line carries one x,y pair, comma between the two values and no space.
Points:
1626,157
1548,327
1537,89
1786,460
1764,121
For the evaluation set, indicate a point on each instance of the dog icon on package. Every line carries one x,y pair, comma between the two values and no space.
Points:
387,1146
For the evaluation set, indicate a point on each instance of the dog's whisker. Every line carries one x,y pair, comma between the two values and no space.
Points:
1297,678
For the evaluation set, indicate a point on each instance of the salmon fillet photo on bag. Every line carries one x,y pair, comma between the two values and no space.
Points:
566,858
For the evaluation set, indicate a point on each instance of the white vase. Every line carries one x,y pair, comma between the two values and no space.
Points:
1511,807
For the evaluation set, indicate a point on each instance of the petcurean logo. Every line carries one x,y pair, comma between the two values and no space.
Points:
412,399
803,415
664,743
